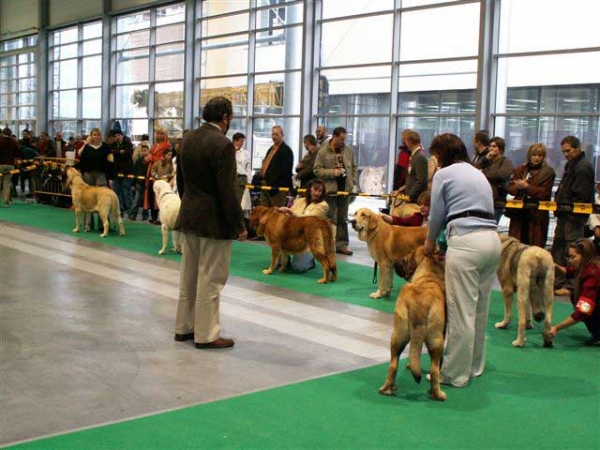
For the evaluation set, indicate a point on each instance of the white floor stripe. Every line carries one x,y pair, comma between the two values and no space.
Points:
275,303
312,333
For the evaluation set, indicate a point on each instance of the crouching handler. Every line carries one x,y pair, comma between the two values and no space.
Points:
584,266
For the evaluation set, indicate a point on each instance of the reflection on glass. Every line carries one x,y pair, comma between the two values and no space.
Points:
26,98
344,42
456,32
174,127
133,40
215,7
168,100
279,16
548,70
67,104
225,25
234,88
449,75
92,30
429,127
134,128
132,66
92,71
279,50
66,36
412,3
27,112
133,22
356,7
170,14
132,101
91,103
519,33
436,102
221,58
92,47
65,51
169,62
65,74
170,33
277,94
89,125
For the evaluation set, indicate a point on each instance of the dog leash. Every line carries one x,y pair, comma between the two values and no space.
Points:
375,273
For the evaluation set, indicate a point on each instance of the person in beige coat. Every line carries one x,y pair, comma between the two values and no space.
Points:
335,165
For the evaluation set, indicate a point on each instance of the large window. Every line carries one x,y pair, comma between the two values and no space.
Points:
434,75
149,71
254,57
75,56
548,82
18,84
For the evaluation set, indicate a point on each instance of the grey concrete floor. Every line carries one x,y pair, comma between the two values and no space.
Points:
86,335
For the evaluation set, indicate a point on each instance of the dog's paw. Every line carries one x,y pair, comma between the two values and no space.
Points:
388,389
161,251
87,229
75,230
375,295
502,325
267,271
518,343
437,395
322,281
177,249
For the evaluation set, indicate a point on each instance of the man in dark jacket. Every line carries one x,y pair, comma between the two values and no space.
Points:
9,151
577,185
122,150
276,170
209,218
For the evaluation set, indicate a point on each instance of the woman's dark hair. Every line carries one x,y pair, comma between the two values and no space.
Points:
448,149
309,186
587,250
216,108
500,142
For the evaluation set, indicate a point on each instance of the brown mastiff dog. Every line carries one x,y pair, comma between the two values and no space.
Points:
294,235
387,244
87,199
419,317
528,270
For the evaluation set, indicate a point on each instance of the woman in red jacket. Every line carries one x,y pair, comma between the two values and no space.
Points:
161,142
585,267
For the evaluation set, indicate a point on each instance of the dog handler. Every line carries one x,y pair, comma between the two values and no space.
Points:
461,200
209,218
585,266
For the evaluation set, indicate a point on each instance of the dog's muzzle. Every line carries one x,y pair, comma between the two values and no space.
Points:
354,225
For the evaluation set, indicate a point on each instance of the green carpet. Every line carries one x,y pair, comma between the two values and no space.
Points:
248,259
527,398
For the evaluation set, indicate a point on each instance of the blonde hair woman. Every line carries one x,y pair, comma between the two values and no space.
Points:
161,143
532,182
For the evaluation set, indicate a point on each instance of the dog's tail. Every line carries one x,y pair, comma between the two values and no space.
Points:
115,214
417,337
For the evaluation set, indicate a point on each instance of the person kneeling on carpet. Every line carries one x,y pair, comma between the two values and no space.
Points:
312,204
584,266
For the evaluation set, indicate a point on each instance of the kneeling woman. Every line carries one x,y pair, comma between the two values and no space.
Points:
585,268
312,204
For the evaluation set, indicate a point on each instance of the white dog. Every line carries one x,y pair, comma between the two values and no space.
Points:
168,206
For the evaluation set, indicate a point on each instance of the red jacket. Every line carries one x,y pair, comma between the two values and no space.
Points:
590,292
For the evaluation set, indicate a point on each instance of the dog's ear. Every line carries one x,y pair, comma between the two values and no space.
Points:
373,220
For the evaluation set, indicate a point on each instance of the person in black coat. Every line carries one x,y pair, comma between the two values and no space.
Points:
276,170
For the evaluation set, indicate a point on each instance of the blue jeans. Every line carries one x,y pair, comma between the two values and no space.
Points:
122,187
